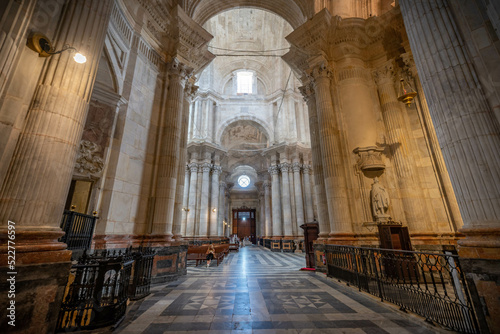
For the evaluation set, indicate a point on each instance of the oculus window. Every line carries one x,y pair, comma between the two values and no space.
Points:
244,181
244,82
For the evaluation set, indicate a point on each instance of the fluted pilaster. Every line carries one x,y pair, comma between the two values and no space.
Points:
277,227
404,163
191,213
267,206
205,185
299,206
285,200
185,201
170,148
319,183
306,172
214,198
222,205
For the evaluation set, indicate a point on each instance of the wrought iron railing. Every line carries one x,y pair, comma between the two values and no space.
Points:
141,283
428,284
97,291
79,230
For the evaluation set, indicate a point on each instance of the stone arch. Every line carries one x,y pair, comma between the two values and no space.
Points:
258,123
295,12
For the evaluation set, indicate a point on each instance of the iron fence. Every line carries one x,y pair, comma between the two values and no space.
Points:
97,291
79,230
431,285
141,283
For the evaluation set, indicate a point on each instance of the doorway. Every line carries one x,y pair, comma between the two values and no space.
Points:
244,223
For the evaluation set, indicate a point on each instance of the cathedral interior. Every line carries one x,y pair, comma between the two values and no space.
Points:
375,123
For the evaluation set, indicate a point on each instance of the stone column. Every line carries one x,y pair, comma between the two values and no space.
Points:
193,182
285,200
189,91
306,171
185,201
333,169
221,209
299,206
168,164
277,229
267,206
323,216
37,181
404,164
214,201
291,183
469,136
205,185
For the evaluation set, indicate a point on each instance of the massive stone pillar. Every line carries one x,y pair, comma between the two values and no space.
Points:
404,163
214,201
38,178
285,200
191,208
277,227
205,185
168,165
319,183
306,171
299,206
267,232
189,91
469,136
333,169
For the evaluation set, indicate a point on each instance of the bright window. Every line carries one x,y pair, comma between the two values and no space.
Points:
245,82
244,181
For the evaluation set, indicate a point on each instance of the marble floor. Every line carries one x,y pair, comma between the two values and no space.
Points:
258,291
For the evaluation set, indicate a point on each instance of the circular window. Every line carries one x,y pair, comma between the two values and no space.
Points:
244,181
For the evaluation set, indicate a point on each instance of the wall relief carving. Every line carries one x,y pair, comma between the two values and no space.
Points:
88,161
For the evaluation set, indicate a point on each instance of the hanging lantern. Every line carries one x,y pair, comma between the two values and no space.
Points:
407,93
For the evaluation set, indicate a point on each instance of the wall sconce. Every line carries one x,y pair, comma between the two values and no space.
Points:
406,93
42,45
185,209
94,213
214,210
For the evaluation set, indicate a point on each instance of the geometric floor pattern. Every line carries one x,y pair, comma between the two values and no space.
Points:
258,291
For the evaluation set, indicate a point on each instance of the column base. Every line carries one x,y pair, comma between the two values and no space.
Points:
39,290
480,260
338,238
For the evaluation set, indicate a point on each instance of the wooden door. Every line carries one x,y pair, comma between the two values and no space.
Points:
244,223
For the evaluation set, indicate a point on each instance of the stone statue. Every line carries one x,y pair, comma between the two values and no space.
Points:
380,201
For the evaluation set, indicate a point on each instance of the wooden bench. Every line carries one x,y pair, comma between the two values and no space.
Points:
235,247
199,253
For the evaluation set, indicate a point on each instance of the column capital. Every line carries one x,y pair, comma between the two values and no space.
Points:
216,170
285,167
409,62
307,91
179,70
306,169
190,90
297,166
266,184
206,167
274,170
222,185
320,71
385,73
193,167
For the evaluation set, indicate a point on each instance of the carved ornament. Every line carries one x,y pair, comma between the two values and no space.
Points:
370,158
88,161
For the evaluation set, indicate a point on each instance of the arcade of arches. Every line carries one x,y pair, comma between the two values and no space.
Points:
179,99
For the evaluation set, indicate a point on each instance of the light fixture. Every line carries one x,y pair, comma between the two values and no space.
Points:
42,45
185,209
406,93
214,209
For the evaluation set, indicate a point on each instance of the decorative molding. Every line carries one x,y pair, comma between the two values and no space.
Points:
88,162
384,73
370,158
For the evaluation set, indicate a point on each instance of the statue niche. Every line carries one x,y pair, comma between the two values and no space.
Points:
380,202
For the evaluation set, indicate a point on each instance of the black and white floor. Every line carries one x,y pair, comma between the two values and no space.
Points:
258,291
